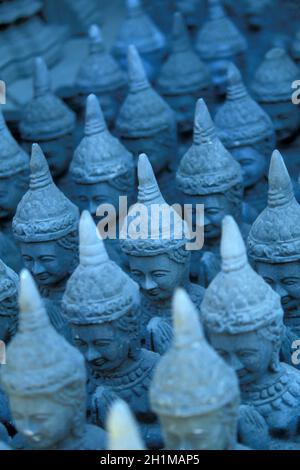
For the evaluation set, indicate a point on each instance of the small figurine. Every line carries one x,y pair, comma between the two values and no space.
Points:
209,175
219,41
274,247
242,316
48,121
193,12
183,77
139,30
256,12
102,169
9,283
102,306
14,179
272,88
100,74
46,226
241,122
123,433
45,378
158,262
194,393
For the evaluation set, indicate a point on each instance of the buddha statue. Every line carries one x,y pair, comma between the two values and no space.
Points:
209,175
14,178
46,227
194,393
102,305
272,88
183,77
48,121
219,41
100,74
145,121
122,430
159,262
45,380
8,302
102,170
139,30
243,318
274,247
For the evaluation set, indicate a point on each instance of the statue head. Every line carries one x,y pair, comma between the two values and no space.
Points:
274,240
272,87
240,121
122,428
101,304
9,284
48,121
253,164
145,122
102,168
46,225
194,393
44,377
241,313
209,175
14,171
159,262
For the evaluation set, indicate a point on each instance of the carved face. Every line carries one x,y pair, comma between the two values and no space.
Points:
49,262
91,196
12,189
252,163
249,354
284,278
286,118
104,346
184,106
41,421
157,276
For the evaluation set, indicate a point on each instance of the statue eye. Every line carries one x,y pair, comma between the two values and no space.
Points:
47,258
160,273
290,282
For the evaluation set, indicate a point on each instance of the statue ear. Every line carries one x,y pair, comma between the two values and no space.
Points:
275,363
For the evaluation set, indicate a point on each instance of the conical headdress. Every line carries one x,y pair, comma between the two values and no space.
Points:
161,228
191,379
238,300
123,432
99,156
38,359
275,235
44,213
13,159
240,120
46,116
98,291
207,167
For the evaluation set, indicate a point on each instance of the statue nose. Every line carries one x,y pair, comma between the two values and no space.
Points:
280,290
37,268
149,283
92,354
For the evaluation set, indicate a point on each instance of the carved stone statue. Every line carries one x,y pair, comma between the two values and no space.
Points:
139,30
194,392
274,247
243,317
14,178
46,226
183,77
100,74
123,433
102,306
193,12
48,121
158,262
209,175
219,41
45,380
8,302
102,170
256,12
272,88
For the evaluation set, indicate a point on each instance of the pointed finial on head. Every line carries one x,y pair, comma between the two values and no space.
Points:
187,327
40,175
180,36
41,77
233,249
148,190
123,432
215,10
95,38
235,86
32,311
92,251
137,75
94,119
204,128
280,185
